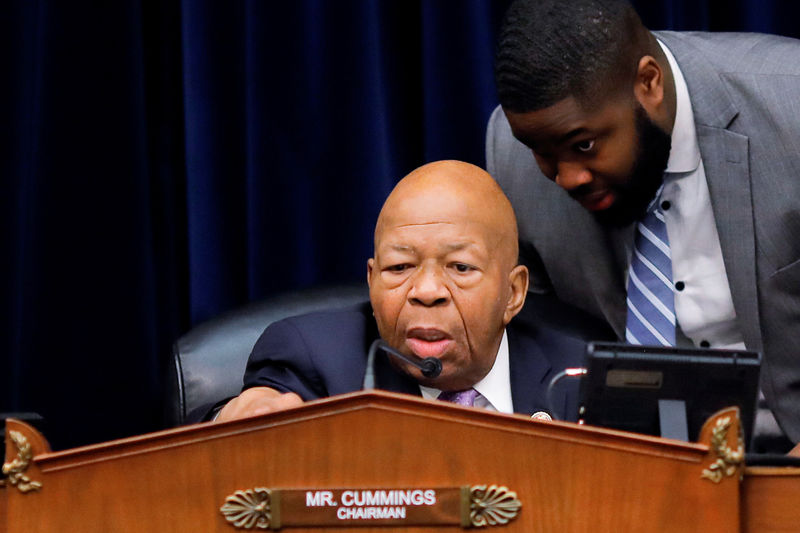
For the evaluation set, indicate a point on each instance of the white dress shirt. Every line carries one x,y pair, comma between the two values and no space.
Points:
494,390
703,301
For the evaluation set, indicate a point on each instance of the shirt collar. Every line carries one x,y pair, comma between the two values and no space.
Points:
495,387
685,153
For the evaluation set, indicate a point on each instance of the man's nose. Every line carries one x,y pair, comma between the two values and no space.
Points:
572,175
428,287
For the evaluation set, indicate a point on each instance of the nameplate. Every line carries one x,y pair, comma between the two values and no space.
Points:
467,506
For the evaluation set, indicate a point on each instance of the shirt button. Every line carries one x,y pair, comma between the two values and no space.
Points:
665,205
705,344
679,285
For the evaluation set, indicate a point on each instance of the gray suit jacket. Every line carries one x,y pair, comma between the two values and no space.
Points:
745,93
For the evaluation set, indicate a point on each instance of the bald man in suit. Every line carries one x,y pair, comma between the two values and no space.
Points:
444,282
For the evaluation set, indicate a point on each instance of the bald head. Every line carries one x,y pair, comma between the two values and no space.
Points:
452,192
444,280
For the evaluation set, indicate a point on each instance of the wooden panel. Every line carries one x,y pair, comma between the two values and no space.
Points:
3,507
569,478
770,497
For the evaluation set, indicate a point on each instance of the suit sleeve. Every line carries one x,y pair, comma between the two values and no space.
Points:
491,135
503,164
281,360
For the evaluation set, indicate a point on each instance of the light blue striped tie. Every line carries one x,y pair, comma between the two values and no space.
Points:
651,298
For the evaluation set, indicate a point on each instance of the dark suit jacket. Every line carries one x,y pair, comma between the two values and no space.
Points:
745,94
324,354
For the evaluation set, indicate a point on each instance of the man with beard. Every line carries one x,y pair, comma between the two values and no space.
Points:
696,132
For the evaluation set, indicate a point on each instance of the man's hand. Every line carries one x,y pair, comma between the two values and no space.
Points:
258,401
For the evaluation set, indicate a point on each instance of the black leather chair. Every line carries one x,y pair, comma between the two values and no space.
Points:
208,362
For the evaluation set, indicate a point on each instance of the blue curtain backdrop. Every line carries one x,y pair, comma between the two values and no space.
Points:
164,161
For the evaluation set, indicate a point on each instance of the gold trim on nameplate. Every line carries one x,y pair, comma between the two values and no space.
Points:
475,506
250,509
728,459
15,469
492,506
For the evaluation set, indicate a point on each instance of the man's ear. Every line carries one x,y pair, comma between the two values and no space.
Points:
518,278
370,266
649,87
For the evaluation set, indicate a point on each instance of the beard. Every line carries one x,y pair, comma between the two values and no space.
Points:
634,196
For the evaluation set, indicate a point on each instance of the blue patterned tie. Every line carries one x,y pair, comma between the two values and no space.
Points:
651,298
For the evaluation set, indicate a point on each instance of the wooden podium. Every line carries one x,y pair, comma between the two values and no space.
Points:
377,461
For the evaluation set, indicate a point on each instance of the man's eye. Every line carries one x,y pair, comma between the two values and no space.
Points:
585,146
398,268
462,268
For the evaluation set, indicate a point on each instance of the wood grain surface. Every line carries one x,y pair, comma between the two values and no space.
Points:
569,478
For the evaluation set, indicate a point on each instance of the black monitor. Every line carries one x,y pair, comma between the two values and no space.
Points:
666,391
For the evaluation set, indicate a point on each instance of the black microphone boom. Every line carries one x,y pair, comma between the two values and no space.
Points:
430,367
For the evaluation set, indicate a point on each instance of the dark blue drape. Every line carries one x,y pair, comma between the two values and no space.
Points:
163,161
299,118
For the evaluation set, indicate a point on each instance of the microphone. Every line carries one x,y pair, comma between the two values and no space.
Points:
567,372
430,367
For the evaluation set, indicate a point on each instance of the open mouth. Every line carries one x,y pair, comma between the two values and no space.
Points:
428,342
597,200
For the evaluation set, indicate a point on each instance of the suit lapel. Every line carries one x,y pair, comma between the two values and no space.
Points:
725,157
597,256
529,369
616,308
